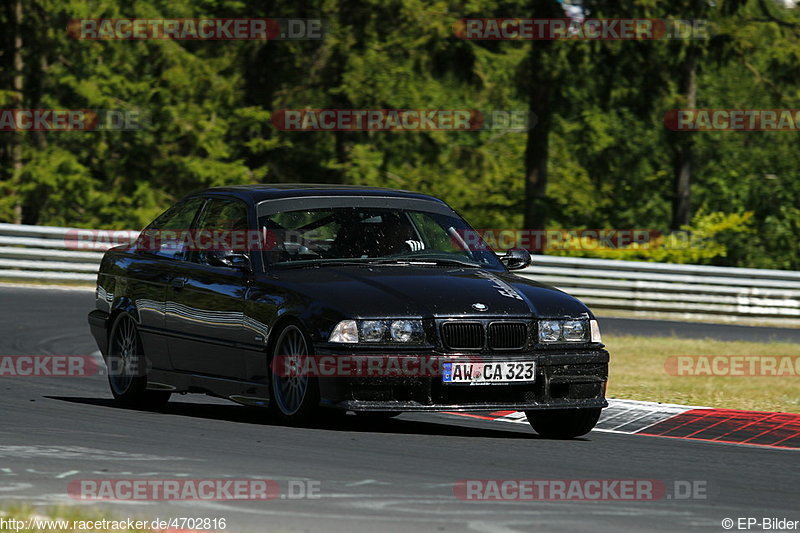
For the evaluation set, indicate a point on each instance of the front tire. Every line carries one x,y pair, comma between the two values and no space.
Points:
127,368
563,423
295,397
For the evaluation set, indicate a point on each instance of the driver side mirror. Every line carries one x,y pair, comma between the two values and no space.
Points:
229,259
516,259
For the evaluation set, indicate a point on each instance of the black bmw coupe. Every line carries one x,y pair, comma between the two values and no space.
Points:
313,299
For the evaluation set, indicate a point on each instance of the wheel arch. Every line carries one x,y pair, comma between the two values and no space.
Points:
119,306
280,323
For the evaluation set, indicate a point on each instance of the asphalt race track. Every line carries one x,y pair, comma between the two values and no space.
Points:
697,330
397,475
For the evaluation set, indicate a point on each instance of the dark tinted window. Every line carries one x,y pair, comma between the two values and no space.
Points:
221,226
368,233
167,235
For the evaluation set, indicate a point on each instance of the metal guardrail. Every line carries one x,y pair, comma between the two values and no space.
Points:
65,254
672,288
53,254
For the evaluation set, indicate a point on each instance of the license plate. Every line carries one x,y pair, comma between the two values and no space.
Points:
494,372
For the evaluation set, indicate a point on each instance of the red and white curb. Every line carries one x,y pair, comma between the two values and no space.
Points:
731,426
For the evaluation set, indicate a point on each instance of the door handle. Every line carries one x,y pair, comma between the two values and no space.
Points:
178,283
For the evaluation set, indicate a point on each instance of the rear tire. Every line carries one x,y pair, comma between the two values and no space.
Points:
127,368
563,423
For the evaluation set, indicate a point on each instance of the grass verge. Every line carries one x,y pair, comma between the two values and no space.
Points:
638,372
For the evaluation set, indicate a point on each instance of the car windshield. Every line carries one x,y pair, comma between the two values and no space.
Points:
372,235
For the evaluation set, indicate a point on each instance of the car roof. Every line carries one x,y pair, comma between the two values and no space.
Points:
270,191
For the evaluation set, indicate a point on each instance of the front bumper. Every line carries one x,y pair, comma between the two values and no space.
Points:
564,380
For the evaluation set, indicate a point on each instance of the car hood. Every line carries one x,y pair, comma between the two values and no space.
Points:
410,291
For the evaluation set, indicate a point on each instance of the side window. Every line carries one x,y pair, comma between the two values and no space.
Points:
166,236
299,235
222,226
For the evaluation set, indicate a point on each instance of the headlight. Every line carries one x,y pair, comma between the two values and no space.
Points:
573,330
549,330
595,331
565,330
345,331
407,331
372,330
378,331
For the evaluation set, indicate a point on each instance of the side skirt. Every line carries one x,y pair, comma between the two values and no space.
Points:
243,392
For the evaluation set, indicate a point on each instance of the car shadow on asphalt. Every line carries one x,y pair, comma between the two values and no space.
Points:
337,422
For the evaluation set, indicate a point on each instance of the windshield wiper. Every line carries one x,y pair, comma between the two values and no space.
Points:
412,261
427,261
320,262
